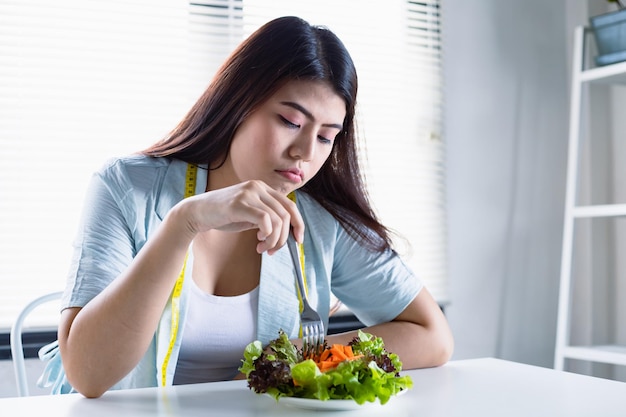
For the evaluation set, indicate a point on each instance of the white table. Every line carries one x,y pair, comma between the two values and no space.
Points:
469,388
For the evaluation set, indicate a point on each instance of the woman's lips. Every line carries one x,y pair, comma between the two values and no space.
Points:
293,174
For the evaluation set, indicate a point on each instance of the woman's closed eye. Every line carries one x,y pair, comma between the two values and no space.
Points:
293,125
324,140
289,123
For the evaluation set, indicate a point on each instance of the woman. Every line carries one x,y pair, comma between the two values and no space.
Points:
165,289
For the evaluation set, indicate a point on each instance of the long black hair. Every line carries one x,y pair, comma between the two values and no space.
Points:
284,49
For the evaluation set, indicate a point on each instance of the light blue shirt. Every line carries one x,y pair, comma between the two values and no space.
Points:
127,200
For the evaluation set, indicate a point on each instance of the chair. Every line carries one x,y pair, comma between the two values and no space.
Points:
17,351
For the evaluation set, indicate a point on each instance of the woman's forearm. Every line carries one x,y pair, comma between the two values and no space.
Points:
416,346
103,341
420,335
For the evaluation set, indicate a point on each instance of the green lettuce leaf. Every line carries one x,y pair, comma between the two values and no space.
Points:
285,350
250,354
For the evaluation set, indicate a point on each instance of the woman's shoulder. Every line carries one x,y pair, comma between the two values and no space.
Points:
143,176
137,167
134,161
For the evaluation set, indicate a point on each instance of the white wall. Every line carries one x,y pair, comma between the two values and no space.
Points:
507,73
506,92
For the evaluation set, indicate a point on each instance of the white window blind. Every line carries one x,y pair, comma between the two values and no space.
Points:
80,81
84,80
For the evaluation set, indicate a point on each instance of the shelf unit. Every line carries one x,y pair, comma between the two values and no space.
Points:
610,74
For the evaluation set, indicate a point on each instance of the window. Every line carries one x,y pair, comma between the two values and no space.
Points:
81,81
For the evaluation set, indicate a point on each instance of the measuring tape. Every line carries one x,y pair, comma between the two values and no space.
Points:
190,190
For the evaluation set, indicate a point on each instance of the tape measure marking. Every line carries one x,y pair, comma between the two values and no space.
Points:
190,190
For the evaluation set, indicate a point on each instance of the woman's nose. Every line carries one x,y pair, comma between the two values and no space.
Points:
304,146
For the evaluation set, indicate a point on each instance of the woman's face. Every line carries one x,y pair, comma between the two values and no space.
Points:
286,140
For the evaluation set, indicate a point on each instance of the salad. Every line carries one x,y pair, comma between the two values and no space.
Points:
362,371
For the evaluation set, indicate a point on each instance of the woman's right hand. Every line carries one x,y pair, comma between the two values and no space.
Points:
245,206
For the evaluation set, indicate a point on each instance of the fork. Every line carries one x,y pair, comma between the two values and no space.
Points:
310,321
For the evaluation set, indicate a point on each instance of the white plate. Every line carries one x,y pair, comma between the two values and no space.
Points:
330,405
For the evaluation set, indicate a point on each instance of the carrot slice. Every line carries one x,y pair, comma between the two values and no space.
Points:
334,355
338,353
348,351
325,355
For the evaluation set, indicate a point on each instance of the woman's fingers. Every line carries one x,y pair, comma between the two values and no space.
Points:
245,206
281,215
281,227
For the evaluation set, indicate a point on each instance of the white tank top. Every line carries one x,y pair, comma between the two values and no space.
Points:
216,331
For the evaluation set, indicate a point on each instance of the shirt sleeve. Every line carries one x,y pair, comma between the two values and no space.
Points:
375,286
104,244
